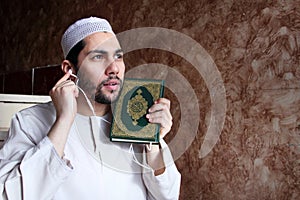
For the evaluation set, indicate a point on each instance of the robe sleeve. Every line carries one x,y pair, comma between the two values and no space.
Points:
167,185
30,168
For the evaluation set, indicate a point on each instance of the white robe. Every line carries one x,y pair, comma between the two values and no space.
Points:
92,167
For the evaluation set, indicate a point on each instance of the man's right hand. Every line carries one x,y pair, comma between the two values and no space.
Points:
63,96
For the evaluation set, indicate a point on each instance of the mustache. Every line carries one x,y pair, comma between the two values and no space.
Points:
112,77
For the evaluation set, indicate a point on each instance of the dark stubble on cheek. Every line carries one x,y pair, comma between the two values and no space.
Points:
86,85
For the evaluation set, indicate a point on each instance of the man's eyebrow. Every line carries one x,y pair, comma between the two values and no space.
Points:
104,52
97,51
119,51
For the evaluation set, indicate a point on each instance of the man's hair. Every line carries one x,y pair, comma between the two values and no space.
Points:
74,52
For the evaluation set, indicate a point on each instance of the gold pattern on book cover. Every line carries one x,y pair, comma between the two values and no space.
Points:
137,107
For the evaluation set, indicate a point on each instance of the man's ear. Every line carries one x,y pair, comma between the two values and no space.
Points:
66,65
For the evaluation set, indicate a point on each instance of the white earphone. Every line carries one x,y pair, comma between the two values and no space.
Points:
76,77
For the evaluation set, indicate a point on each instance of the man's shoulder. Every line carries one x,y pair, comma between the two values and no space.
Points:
40,108
35,121
42,112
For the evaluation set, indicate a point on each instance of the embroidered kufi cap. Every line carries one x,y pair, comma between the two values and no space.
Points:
81,29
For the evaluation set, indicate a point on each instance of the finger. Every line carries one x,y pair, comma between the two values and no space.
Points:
68,89
159,117
163,121
64,78
64,87
164,101
160,104
159,109
158,112
165,124
65,83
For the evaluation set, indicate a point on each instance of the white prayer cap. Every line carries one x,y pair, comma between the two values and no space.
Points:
81,29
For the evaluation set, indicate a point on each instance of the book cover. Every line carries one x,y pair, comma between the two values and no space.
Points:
129,112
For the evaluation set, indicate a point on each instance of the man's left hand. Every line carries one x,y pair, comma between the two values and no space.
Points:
159,113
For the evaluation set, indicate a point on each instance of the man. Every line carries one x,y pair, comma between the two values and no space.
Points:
61,150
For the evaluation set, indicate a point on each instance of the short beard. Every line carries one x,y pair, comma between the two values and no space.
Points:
102,98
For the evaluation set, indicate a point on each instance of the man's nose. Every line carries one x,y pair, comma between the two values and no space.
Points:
112,68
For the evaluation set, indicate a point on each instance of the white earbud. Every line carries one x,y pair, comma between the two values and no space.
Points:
71,73
76,78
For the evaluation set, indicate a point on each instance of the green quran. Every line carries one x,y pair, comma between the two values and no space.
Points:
129,112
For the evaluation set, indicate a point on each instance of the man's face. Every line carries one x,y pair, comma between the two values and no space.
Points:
101,67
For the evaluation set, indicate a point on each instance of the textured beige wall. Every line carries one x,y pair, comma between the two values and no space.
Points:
256,47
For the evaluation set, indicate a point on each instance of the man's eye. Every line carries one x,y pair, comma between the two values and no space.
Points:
118,56
97,57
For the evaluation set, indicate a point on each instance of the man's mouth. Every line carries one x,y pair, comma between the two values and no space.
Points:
111,85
